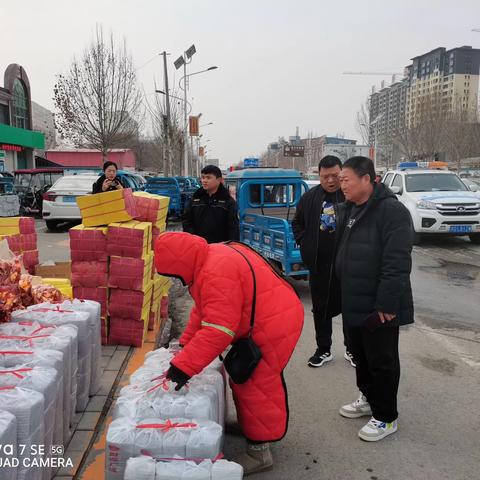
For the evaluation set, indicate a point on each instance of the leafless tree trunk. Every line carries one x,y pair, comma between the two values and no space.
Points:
363,122
173,132
98,102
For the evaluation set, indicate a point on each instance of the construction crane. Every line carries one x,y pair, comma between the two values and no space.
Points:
383,74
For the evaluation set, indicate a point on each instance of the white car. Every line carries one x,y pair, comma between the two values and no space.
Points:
438,201
60,202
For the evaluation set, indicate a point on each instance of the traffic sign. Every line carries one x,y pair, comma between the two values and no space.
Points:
293,151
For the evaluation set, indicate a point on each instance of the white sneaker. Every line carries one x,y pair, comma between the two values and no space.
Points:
375,430
349,358
359,408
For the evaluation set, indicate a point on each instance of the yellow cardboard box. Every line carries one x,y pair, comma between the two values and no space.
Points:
107,207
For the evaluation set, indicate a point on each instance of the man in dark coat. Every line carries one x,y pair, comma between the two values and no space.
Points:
212,213
314,228
373,264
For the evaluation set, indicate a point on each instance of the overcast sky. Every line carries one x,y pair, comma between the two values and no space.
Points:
280,61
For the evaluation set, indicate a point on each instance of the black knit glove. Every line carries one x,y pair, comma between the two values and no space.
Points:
176,375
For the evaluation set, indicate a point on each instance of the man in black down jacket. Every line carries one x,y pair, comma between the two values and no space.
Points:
212,213
373,264
314,230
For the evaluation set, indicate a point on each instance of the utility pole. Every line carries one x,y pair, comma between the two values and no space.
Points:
185,137
167,158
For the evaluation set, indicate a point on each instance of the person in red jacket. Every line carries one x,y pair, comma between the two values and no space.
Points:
221,283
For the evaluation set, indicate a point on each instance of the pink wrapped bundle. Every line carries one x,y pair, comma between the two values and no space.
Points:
151,208
89,274
97,294
126,332
88,244
129,239
130,273
26,225
130,304
30,261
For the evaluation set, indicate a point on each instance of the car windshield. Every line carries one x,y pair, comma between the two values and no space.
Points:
74,183
434,182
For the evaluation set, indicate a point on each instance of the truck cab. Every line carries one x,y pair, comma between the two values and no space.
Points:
267,199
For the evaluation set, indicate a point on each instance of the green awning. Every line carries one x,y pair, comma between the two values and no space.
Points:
21,137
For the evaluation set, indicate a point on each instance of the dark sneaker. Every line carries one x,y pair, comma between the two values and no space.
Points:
320,358
349,358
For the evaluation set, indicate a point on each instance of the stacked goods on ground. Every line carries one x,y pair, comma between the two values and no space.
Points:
112,262
182,430
22,239
49,365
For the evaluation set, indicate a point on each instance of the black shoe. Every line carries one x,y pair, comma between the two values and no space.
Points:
319,358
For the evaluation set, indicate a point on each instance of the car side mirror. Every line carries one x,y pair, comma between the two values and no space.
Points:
473,188
397,190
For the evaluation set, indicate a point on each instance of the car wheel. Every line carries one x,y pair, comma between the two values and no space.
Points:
475,238
51,224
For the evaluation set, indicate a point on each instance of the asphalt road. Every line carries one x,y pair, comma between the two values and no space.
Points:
438,435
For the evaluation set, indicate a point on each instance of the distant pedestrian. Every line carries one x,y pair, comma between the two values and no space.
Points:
212,213
314,228
109,180
373,264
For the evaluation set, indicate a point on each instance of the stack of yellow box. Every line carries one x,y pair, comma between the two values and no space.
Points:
161,286
105,208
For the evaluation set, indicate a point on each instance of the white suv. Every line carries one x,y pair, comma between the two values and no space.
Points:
438,201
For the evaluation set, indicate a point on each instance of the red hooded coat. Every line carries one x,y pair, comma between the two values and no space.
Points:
221,284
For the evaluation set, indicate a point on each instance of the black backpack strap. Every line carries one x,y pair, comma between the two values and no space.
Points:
254,300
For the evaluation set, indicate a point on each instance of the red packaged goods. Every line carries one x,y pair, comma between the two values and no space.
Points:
130,304
88,244
89,274
30,261
46,293
26,225
98,294
130,273
10,300
25,285
151,208
129,239
126,332
10,271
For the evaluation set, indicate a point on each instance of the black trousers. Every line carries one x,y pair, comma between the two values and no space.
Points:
326,303
378,368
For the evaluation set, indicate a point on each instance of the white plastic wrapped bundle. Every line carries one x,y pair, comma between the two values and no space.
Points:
225,470
140,468
209,383
159,438
94,309
49,314
43,380
165,355
8,436
50,359
63,339
205,442
28,407
147,468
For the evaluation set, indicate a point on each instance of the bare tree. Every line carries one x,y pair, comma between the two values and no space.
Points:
168,135
98,101
363,122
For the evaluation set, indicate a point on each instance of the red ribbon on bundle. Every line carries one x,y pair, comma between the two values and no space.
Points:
16,372
168,425
16,352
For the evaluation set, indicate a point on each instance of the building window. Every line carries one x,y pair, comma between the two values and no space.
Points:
20,105
4,117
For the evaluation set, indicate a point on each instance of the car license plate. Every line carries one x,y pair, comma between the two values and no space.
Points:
69,198
460,228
